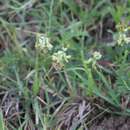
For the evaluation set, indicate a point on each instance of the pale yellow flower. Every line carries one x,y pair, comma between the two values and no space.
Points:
95,57
60,57
43,43
122,38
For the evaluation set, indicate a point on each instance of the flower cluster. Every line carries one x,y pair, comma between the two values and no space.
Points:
122,37
60,57
95,57
43,43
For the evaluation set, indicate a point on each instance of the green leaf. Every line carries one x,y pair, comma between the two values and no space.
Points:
2,127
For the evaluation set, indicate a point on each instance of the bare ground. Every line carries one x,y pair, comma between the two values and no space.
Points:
112,123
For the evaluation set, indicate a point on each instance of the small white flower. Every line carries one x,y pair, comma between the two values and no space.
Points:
127,40
122,37
43,43
60,57
41,39
64,49
97,55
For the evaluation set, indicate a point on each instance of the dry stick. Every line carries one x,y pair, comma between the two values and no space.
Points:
44,103
58,109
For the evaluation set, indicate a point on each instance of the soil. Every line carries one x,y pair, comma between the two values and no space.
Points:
112,123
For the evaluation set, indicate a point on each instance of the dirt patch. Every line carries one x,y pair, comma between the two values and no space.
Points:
112,123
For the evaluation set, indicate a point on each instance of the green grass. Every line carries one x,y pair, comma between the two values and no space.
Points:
38,91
